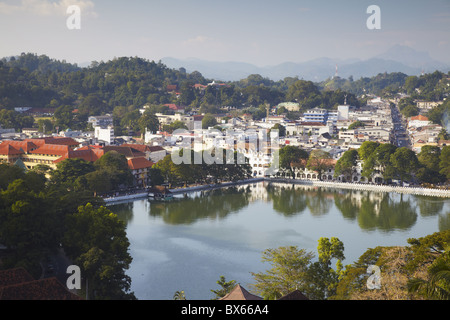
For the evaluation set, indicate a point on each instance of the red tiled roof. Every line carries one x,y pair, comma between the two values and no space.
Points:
18,284
14,276
45,289
8,150
139,147
420,118
52,149
88,153
156,148
139,163
26,146
54,140
239,293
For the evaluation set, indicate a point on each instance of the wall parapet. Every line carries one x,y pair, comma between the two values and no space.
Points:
367,187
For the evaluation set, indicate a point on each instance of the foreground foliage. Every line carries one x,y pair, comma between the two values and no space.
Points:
37,216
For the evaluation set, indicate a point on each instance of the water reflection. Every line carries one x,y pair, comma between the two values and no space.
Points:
212,204
384,212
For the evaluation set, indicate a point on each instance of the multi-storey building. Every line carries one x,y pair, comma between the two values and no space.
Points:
316,115
33,152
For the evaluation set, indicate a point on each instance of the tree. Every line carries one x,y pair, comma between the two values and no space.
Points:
9,173
98,181
367,148
64,117
346,164
301,90
225,288
69,170
96,241
410,111
443,135
148,122
431,251
281,129
175,126
115,166
444,163
405,163
29,223
322,277
291,157
379,160
411,83
437,287
168,169
288,273
179,295
208,121
156,176
356,124
320,161
429,157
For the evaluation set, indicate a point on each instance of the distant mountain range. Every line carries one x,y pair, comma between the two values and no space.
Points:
397,59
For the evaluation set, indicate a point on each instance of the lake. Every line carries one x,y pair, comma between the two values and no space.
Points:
188,243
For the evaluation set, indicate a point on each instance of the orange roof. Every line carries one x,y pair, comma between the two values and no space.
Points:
18,284
8,150
420,118
54,140
88,153
139,147
139,163
26,146
52,149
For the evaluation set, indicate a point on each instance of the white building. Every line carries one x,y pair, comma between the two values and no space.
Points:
418,121
101,121
104,134
316,115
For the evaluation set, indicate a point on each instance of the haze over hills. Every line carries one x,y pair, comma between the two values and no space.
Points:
397,59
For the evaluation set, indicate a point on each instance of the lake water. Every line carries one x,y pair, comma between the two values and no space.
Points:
187,244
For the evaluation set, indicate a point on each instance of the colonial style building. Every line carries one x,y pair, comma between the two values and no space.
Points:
53,150
33,152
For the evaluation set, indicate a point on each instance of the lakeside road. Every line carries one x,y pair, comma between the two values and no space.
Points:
443,193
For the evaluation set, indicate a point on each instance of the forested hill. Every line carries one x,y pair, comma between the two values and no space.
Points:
36,81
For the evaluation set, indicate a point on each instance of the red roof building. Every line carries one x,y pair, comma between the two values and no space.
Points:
239,293
140,168
18,284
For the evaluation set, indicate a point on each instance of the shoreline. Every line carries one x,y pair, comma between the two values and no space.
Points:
325,184
367,187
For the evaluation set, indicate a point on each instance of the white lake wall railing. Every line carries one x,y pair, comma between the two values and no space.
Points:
443,193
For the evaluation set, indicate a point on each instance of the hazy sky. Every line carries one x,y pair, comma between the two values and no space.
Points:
256,31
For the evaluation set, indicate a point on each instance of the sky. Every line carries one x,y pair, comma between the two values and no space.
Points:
260,32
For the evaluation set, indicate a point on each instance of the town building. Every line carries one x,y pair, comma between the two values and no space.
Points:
316,115
101,121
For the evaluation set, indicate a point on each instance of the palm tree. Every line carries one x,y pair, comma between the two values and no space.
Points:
438,285
179,295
